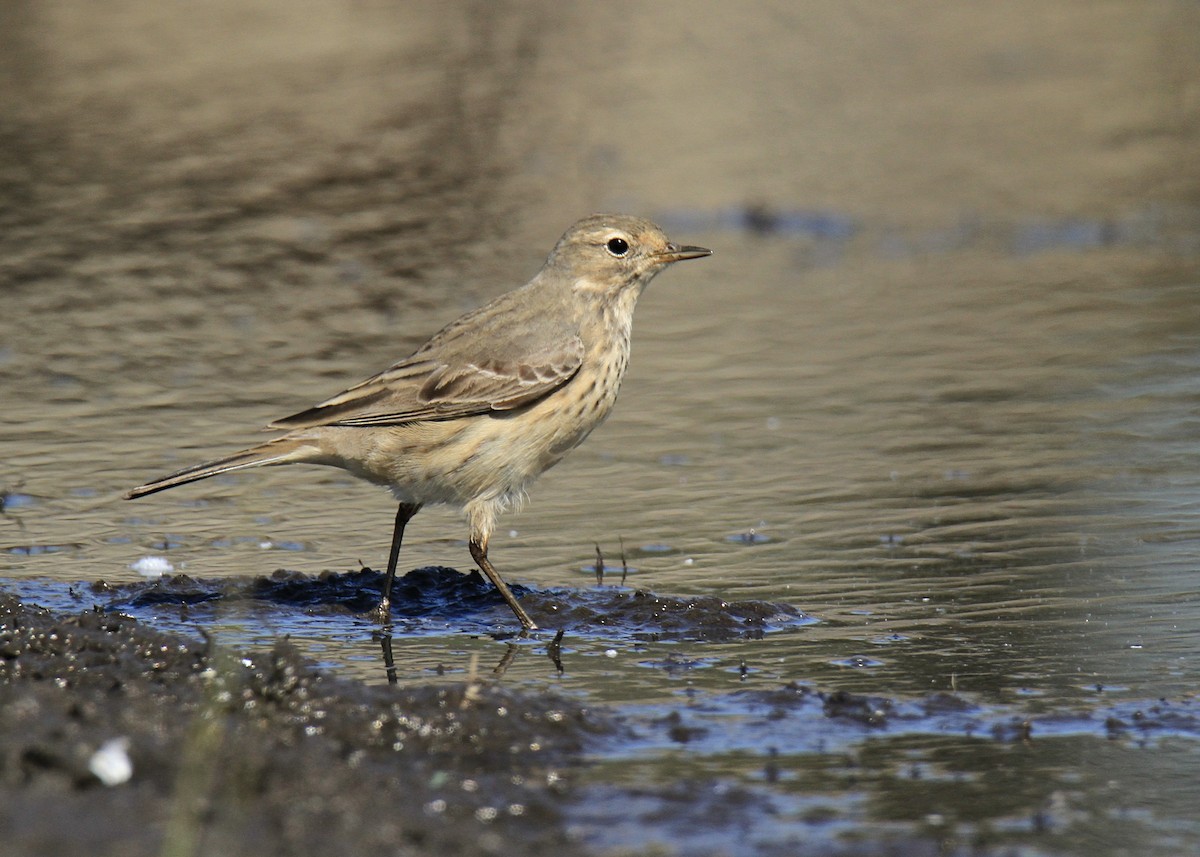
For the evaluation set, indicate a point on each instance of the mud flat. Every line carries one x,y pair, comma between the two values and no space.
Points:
117,739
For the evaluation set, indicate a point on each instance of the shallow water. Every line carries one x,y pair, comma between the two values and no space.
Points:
936,393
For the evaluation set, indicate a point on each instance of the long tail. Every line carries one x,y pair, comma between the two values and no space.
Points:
282,450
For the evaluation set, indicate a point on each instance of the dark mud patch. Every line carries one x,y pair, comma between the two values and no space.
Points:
713,817
797,770
800,718
262,754
641,615
426,599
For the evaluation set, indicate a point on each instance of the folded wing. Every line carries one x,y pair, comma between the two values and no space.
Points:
423,387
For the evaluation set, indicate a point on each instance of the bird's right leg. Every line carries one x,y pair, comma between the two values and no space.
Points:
383,612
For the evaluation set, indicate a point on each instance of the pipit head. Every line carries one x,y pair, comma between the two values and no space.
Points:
611,253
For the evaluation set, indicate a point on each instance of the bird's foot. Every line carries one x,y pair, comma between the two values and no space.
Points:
382,612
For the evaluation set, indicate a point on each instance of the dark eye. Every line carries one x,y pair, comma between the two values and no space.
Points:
617,246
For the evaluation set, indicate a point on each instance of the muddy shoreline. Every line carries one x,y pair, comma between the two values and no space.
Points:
261,753
118,738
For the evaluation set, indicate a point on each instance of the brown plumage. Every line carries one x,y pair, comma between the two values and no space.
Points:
495,398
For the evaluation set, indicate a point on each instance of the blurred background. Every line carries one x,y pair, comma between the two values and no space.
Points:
937,387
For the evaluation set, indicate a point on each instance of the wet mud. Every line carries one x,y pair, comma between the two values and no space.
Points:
119,738
818,754
445,594
238,753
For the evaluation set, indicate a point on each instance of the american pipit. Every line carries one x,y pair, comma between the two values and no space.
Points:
476,414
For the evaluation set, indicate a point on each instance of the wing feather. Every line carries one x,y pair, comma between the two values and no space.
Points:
421,388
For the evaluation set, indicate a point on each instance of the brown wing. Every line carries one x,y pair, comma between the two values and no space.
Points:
423,388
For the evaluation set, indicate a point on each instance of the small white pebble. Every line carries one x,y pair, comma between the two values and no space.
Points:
610,653
111,764
266,545
689,561
152,566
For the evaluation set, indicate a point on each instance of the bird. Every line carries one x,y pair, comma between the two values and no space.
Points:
494,399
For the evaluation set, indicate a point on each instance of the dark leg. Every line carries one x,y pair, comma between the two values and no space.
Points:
404,514
389,662
510,655
479,554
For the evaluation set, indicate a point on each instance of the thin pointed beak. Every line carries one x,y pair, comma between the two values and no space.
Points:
675,253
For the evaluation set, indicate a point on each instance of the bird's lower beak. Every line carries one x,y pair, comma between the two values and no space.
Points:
675,253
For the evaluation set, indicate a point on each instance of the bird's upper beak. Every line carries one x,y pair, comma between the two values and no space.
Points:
676,253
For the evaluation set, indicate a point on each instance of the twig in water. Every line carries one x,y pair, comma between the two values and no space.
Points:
471,692
554,650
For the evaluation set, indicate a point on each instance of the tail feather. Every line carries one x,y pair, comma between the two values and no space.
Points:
279,451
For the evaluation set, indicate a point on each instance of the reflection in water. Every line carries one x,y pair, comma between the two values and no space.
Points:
393,676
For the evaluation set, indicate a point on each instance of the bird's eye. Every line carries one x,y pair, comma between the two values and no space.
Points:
617,246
